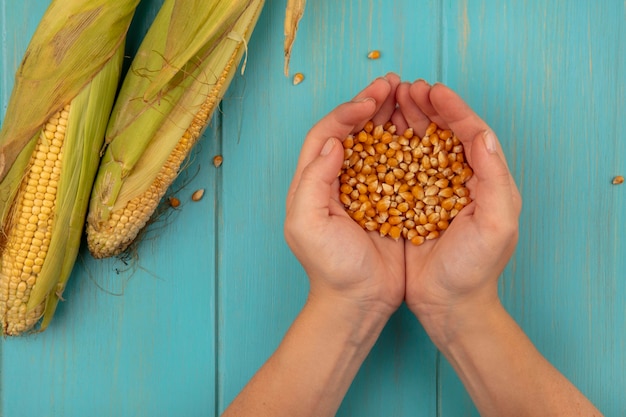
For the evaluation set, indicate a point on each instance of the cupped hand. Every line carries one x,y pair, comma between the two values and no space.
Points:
462,266
344,263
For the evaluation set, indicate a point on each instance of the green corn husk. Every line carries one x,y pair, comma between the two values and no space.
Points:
73,62
181,71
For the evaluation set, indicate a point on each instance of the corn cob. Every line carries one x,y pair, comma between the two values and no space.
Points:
49,150
190,61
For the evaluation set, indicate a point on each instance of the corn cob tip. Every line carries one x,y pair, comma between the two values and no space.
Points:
134,205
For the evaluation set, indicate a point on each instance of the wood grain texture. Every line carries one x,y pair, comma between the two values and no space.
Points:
550,80
179,328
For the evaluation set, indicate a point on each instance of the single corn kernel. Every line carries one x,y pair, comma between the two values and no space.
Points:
374,54
197,195
395,232
174,202
298,78
618,180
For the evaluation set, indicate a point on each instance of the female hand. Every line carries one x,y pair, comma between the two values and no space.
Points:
449,276
342,261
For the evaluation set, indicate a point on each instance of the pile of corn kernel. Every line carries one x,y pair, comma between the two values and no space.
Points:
402,185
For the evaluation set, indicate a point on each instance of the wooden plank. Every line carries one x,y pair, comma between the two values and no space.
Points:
261,285
135,336
140,339
549,78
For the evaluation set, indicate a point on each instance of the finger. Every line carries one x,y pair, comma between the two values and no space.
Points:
412,113
494,204
453,109
345,119
468,126
339,123
383,115
397,118
461,119
420,92
312,195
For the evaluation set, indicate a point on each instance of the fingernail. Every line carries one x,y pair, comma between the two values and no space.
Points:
384,78
490,141
328,146
362,100
391,74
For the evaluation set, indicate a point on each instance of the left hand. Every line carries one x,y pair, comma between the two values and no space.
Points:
345,264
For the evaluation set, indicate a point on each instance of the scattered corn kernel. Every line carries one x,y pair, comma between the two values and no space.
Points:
174,202
298,78
217,160
197,195
618,180
402,185
375,54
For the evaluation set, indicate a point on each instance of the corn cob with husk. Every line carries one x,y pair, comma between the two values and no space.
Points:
49,150
177,79
293,14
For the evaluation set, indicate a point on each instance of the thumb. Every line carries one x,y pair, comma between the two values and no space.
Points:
494,182
314,192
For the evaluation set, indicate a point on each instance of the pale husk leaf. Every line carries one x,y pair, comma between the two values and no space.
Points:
229,49
72,43
84,137
293,14
135,123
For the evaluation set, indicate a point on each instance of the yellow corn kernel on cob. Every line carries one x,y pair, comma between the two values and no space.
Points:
49,151
125,223
29,233
149,140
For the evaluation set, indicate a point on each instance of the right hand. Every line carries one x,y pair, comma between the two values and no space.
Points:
457,273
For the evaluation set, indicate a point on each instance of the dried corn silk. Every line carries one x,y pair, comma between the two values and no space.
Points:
402,185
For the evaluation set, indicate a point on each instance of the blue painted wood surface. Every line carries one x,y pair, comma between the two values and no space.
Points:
179,327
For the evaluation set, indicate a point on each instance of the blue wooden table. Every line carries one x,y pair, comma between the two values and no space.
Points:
178,326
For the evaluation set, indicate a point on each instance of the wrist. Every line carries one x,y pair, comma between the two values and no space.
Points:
355,323
312,369
450,324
